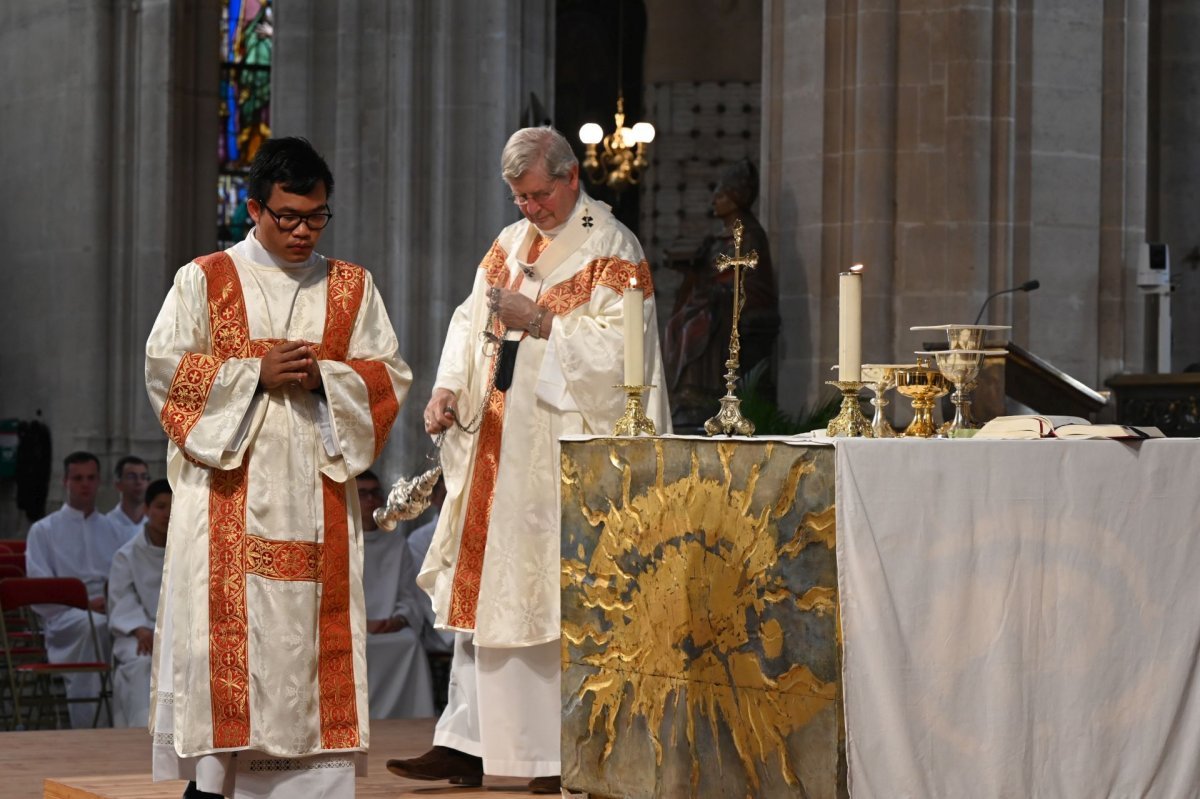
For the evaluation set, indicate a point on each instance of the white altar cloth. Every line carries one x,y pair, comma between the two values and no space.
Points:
1020,618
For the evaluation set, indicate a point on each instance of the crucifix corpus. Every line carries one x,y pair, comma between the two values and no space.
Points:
729,419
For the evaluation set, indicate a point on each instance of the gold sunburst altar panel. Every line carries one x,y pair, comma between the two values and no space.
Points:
700,620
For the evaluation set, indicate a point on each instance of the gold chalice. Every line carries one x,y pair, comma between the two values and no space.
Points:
922,386
881,378
960,367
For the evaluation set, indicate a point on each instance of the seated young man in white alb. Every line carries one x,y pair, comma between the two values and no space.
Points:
134,584
398,680
437,642
76,541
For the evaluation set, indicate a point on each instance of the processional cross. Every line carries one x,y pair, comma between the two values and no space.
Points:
729,419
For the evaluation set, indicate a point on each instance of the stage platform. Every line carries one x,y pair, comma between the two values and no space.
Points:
115,764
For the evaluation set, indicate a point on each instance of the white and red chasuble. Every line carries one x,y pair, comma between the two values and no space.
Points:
493,565
263,576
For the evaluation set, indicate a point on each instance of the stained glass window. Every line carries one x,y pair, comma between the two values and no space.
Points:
245,105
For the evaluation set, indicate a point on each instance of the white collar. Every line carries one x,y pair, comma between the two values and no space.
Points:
252,250
78,514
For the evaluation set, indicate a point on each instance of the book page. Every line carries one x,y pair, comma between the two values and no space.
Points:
1106,431
1026,426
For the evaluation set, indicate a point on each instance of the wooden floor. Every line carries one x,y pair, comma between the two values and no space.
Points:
115,764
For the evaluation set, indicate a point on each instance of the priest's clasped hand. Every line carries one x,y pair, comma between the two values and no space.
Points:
290,362
517,312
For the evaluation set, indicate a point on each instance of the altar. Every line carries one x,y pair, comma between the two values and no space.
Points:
896,618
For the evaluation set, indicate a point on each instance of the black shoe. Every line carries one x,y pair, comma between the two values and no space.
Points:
546,785
192,792
441,763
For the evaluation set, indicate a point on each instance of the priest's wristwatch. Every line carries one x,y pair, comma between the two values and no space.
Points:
535,327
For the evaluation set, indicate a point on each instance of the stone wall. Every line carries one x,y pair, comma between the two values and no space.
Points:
411,103
108,171
956,149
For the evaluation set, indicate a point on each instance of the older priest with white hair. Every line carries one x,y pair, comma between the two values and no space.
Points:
550,289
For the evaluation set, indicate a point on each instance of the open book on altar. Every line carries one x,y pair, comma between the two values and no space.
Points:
1037,426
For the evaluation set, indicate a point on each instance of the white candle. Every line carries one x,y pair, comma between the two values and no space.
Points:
631,306
850,324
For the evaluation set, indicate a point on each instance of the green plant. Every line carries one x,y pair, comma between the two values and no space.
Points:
771,420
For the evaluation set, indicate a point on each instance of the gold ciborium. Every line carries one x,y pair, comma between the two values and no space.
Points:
881,378
960,367
922,386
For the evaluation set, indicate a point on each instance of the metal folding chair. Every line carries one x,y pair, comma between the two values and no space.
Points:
34,682
21,645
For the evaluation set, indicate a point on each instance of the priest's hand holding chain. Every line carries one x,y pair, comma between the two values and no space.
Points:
440,412
517,312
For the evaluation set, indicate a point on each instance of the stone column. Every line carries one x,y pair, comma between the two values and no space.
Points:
161,214
412,102
108,145
956,149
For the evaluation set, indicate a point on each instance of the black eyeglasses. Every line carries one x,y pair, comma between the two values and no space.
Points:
292,221
538,197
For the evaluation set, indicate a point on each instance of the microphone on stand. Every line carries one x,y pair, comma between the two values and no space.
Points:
1028,285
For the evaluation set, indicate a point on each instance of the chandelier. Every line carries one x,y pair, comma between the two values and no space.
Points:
623,158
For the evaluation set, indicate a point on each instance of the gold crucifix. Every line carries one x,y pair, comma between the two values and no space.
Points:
729,419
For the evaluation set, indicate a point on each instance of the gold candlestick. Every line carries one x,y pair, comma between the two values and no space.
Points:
850,422
729,419
634,421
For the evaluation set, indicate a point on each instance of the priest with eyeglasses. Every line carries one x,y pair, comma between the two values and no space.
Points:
275,373
534,353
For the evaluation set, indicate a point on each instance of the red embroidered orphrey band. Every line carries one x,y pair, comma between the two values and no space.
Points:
233,554
561,298
575,292
464,589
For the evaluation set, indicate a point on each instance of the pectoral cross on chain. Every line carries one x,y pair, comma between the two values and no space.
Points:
729,419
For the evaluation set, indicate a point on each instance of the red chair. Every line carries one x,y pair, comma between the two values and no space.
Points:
16,545
33,683
15,619
13,566
23,645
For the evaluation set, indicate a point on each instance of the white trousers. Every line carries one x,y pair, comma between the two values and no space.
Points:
69,639
130,683
505,706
